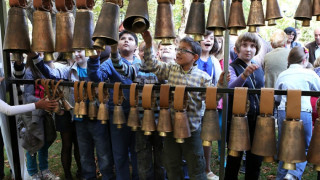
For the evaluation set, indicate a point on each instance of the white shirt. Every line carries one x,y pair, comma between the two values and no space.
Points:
317,52
13,110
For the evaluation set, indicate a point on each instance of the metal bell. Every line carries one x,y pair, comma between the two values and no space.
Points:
181,126
316,9
196,21
109,17
236,17
118,116
210,127
42,34
66,105
292,144
164,123
265,145
76,109
164,24
82,109
148,122
216,21
64,33
273,12
16,39
313,155
83,25
137,16
103,113
133,119
304,12
256,16
92,111
239,139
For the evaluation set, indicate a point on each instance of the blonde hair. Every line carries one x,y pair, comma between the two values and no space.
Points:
251,37
278,39
317,62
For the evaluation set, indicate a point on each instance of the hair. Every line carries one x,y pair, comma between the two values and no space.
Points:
297,55
218,53
207,33
317,62
251,37
195,46
131,33
278,39
289,30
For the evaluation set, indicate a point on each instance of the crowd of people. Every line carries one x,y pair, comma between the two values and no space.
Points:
123,154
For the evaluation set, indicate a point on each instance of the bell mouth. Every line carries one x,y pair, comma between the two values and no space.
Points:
252,29
166,41
180,140
48,56
233,31
162,134
119,126
103,122
198,37
147,133
318,18
206,143
306,23
134,128
272,22
233,153
289,166
90,52
268,159
218,32
99,44
139,25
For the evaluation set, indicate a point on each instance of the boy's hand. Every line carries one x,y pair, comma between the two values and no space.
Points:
249,70
46,105
147,38
221,77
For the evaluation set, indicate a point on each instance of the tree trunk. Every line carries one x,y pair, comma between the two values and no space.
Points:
184,17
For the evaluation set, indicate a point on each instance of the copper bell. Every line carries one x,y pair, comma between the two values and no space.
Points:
137,16
216,21
304,12
196,21
109,17
64,33
133,118
76,109
210,127
66,105
148,122
118,116
256,16
265,145
273,12
181,126
92,111
164,123
42,34
236,17
316,9
16,39
83,25
103,113
292,144
164,29
82,109
239,139
313,155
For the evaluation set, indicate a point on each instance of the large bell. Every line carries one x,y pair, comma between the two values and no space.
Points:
265,145
304,12
196,21
109,17
82,109
83,25
76,109
64,33
273,12
210,127
313,155
216,21
292,144
236,18
316,9
181,126
118,116
148,122
164,24
16,39
42,34
256,16
92,111
103,113
239,139
133,119
137,16
164,123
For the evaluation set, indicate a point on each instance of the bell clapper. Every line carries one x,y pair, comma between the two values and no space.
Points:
180,140
289,166
162,134
233,153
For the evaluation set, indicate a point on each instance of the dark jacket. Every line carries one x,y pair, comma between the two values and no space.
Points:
312,48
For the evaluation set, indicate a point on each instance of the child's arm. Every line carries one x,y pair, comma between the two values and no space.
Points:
96,71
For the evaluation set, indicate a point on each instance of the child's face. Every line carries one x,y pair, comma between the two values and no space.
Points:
80,57
207,43
185,58
168,52
247,50
127,43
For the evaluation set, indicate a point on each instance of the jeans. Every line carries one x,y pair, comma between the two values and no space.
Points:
149,155
306,117
191,150
32,165
92,134
123,144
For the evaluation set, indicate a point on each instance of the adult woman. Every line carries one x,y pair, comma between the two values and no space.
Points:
292,36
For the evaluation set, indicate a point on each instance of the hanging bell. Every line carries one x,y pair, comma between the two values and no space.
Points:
273,12
196,21
42,34
316,9
109,17
164,123
137,17
210,127
292,144
66,105
256,16
92,111
133,119
16,39
216,21
76,109
265,145
82,109
148,122
103,113
84,25
118,116
164,29
304,12
64,33
313,155
181,126
239,139
236,17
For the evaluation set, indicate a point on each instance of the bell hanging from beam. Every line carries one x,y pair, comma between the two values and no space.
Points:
304,12
216,21
273,12
236,18
137,16
256,16
64,34
196,25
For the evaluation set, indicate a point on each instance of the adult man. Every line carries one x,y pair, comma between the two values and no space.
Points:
314,50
